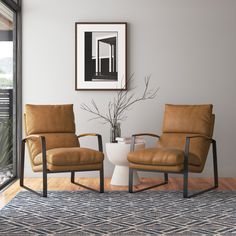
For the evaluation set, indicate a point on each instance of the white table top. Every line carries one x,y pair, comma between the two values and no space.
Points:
139,143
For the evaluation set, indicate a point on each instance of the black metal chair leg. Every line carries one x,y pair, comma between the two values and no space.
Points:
101,190
166,178
143,189
185,186
45,179
45,184
72,177
22,163
216,181
102,180
130,180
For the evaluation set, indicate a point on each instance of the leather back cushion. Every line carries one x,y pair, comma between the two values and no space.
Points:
55,122
192,119
49,119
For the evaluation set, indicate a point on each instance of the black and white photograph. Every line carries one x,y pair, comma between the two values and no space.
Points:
100,56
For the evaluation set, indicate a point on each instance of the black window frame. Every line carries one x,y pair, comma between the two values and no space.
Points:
17,85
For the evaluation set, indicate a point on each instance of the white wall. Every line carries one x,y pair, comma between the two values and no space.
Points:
189,47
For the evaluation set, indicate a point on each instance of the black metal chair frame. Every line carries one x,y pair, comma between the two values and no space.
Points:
185,171
45,171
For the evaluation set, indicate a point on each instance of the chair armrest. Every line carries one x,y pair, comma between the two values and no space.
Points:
187,144
43,146
141,134
146,134
33,137
99,137
200,136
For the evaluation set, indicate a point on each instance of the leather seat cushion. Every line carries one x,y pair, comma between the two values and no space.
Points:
162,157
89,167
70,156
176,168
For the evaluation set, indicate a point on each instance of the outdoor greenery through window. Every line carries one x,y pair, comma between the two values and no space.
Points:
6,65
6,93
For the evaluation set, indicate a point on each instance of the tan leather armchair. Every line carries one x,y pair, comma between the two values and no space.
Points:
182,148
54,147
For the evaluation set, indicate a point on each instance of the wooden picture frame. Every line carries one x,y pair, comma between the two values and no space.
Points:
100,56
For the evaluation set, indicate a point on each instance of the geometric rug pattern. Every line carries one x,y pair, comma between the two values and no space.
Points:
120,213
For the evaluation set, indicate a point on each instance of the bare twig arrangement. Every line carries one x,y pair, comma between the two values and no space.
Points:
122,102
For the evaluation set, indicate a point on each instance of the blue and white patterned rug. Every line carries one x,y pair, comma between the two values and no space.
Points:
120,213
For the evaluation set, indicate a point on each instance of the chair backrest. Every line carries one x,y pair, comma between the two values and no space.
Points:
186,120
55,122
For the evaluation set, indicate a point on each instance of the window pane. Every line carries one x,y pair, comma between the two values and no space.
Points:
6,94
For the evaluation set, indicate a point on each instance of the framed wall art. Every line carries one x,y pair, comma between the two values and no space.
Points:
100,60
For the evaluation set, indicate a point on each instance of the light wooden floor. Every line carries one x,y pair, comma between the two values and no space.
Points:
64,184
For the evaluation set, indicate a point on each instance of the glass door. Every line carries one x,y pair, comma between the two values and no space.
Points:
7,95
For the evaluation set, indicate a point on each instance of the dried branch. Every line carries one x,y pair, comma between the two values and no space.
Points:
122,102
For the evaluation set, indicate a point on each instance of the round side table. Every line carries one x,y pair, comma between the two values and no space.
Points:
117,154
